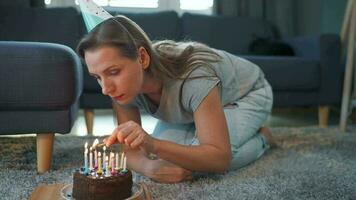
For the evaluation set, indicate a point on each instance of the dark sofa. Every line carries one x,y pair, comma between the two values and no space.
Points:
39,92
313,77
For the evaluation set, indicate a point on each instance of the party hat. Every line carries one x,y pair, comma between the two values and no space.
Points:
92,13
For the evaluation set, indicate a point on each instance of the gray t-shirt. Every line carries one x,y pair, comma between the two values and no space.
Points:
234,76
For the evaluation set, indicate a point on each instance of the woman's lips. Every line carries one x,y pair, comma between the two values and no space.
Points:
119,98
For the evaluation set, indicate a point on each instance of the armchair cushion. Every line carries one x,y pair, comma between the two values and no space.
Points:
326,49
39,89
38,76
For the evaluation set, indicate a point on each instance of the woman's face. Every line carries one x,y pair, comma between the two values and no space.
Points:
120,78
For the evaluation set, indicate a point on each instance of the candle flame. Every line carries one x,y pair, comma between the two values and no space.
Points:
86,151
104,148
86,145
99,154
96,142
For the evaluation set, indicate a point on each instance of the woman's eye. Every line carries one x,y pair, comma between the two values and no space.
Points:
114,72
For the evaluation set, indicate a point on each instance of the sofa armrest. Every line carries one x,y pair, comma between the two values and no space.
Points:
326,49
38,76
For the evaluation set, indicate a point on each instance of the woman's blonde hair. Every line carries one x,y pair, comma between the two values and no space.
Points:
169,59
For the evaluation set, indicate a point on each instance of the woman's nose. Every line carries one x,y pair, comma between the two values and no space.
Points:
106,87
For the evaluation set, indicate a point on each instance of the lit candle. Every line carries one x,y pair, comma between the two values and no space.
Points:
104,156
100,171
117,161
86,157
107,170
96,142
91,159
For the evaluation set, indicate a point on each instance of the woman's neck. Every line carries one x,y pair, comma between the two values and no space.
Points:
152,88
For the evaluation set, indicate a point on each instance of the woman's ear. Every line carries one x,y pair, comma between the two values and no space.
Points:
144,57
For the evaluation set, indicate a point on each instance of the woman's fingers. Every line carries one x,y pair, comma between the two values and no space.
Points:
112,139
137,141
117,136
131,137
126,133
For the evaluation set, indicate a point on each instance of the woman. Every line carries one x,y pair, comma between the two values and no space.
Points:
211,105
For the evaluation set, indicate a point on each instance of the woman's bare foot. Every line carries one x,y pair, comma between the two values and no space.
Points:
268,135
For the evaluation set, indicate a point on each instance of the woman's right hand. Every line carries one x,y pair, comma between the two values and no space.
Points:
133,136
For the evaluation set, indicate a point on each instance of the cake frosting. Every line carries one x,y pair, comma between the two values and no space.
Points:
115,187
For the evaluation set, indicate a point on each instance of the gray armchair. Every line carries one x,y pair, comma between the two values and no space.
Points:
40,86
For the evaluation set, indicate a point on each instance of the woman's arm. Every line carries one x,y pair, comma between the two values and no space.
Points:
214,152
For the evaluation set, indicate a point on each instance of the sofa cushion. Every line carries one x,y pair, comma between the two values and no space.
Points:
289,73
233,34
17,3
15,23
56,25
158,25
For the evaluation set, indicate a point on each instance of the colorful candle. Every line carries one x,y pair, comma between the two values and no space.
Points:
100,171
122,160
117,161
124,168
113,167
86,157
111,159
107,170
104,156
91,159
96,142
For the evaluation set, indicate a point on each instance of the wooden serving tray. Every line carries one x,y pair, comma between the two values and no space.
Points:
52,192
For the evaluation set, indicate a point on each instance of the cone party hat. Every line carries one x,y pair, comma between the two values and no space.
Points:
92,13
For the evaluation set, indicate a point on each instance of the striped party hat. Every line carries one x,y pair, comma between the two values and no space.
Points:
92,13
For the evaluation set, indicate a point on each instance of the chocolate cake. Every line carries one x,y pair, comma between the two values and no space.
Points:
114,187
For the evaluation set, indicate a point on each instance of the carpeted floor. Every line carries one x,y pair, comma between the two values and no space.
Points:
309,163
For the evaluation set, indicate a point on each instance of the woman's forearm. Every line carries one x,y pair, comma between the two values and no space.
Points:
203,157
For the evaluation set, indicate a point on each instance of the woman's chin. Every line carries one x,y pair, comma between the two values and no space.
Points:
124,101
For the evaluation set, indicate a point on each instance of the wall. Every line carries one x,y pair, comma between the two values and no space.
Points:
319,16
333,15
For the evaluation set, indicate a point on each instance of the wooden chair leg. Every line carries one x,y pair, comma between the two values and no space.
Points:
89,120
323,116
44,151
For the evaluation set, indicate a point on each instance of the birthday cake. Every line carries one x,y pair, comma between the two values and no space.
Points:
114,187
103,177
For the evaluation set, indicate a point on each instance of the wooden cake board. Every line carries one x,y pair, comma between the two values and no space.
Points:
52,192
